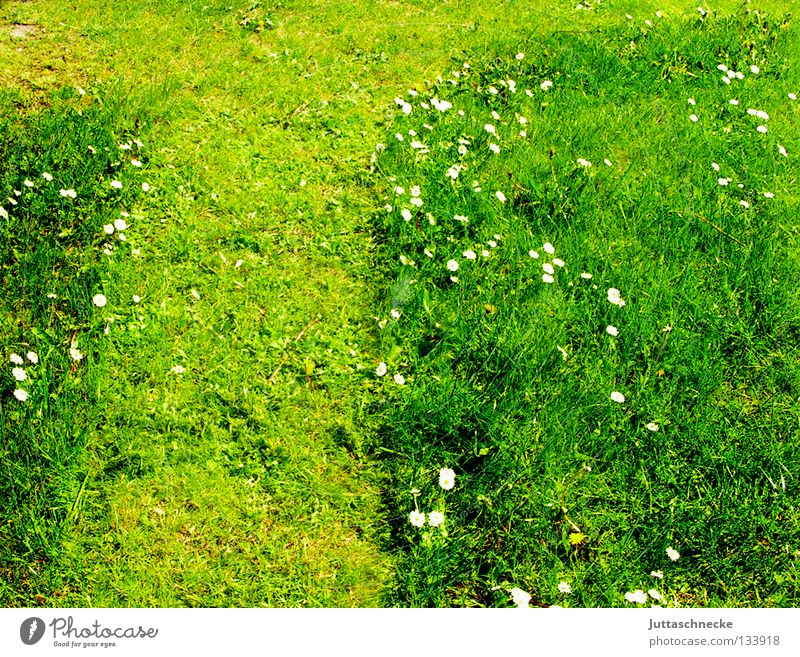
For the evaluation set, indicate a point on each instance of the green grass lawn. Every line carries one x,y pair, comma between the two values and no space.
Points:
225,439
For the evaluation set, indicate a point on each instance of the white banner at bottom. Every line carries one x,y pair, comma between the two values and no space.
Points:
399,632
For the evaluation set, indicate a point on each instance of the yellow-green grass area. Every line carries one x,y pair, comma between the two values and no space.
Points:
216,449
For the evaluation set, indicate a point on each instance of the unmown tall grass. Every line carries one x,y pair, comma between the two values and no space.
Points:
56,177
510,380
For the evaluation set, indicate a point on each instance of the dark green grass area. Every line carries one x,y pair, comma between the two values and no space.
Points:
52,265
508,379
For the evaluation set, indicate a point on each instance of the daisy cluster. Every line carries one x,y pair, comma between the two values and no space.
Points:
640,597
33,192
20,374
447,480
723,113
442,246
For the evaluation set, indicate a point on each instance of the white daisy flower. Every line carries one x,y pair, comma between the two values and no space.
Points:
637,596
614,297
521,598
447,478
